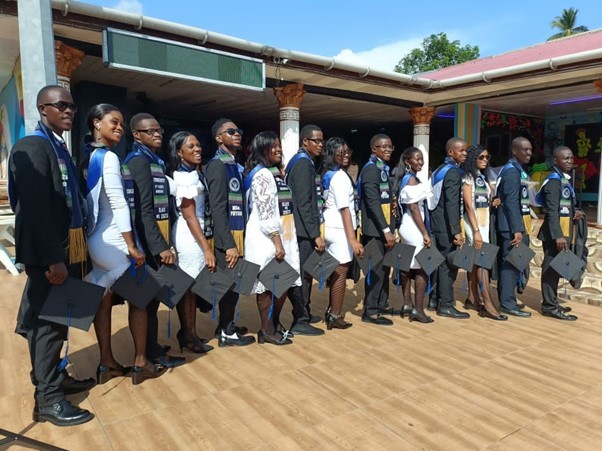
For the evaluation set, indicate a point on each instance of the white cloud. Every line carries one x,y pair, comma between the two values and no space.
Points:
383,57
129,6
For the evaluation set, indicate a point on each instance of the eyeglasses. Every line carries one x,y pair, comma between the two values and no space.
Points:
385,147
151,131
484,157
232,131
317,141
62,106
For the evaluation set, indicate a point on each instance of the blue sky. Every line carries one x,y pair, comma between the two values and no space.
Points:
377,33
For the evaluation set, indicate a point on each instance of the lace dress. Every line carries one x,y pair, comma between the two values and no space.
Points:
265,218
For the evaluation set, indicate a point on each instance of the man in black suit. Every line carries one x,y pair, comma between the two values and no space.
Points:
225,186
560,212
512,190
44,207
152,218
376,199
306,188
445,223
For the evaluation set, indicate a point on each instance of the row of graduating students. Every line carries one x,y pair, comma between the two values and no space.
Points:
275,214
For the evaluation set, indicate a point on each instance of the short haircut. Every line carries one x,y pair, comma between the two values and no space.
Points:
516,142
219,124
42,93
559,149
137,118
451,142
307,132
377,137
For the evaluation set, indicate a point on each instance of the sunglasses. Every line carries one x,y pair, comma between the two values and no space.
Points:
484,157
62,106
233,131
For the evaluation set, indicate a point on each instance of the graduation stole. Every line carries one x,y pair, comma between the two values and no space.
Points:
384,188
438,177
236,212
160,186
207,219
567,200
481,199
301,153
525,209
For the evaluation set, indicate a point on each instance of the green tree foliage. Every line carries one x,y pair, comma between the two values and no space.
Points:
436,53
566,24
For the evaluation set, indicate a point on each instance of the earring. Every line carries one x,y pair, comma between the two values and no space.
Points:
408,168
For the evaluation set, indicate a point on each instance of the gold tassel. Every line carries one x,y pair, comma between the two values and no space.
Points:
163,225
565,225
322,230
77,246
387,212
529,225
239,239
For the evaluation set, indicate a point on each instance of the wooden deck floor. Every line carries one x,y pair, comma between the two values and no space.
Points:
476,384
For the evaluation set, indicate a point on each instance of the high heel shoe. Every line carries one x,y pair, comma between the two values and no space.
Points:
105,373
336,322
142,373
194,344
283,340
406,310
483,313
420,317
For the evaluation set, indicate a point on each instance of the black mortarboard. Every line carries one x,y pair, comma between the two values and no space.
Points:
520,256
175,283
568,265
212,286
485,257
430,259
138,286
462,257
372,257
243,275
73,303
399,257
320,265
278,276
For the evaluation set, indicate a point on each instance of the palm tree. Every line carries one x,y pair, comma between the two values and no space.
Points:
566,24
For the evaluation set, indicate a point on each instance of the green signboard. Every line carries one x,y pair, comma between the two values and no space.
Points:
143,53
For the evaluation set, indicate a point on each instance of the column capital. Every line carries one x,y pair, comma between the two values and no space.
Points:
290,95
67,58
422,114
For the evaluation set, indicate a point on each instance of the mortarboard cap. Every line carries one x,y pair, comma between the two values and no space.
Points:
278,276
399,257
462,257
372,257
175,283
137,285
485,257
243,275
568,265
430,259
520,256
212,286
73,303
320,265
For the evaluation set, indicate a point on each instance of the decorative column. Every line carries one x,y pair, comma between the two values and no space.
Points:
467,122
421,118
289,100
67,60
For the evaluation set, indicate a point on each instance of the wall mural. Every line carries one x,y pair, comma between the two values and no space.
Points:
530,127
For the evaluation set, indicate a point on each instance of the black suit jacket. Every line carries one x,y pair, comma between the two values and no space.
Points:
373,219
445,218
550,229
301,179
509,218
217,185
42,216
148,231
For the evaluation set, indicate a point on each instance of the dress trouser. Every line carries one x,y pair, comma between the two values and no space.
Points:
227,305
301,305
44,339
153,349
377,291
508,275
446,273
549,278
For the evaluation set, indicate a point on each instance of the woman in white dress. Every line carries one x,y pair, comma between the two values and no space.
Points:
111,242
270,231
191,231
340,225
414,230
476,193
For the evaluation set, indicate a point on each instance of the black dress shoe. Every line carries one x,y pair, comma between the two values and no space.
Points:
169,361
565,309
306,329
72,386
234,339
432,305
241,330
520,305
388,310
378,320
313,319
452,312
559,314
63,413
516,312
